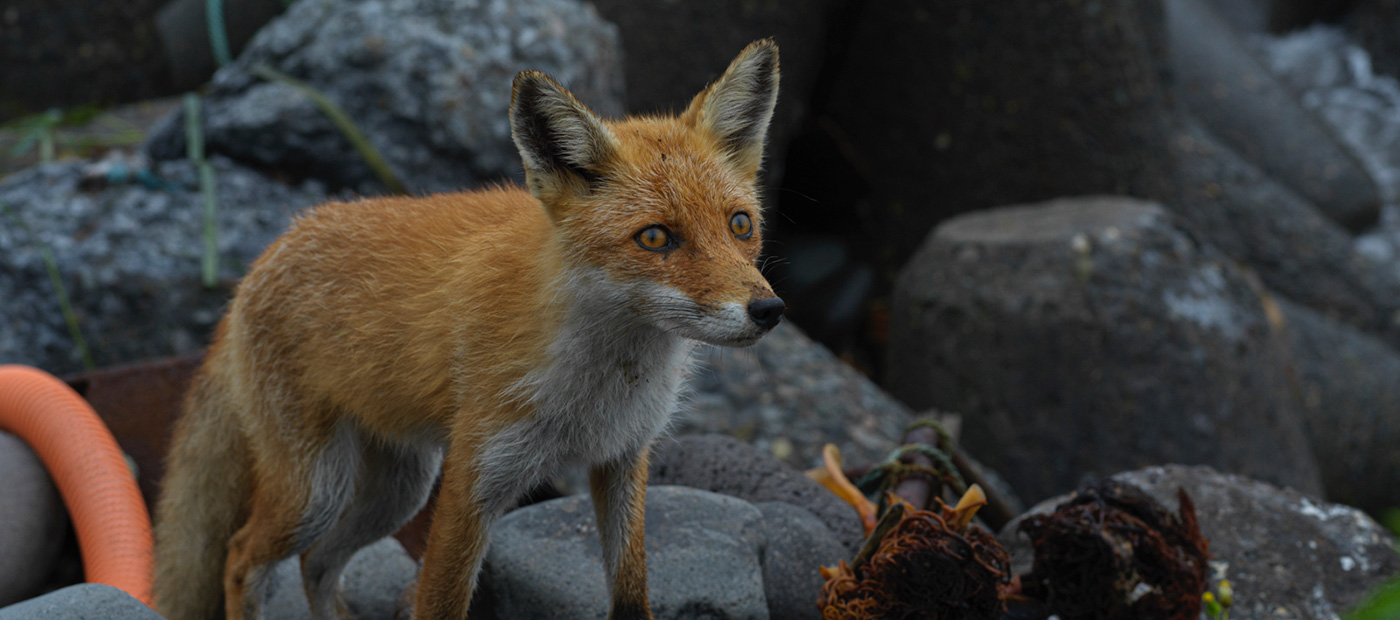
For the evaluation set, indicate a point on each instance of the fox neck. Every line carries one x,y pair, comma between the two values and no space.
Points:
611,380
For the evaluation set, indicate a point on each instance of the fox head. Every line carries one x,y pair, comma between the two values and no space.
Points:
666,208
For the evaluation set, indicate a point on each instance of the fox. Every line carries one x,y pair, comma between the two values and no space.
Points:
492,336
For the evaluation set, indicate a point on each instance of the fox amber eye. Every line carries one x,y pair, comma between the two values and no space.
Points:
741,225
654,238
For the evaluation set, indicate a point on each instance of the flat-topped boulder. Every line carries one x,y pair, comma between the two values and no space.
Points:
1091,335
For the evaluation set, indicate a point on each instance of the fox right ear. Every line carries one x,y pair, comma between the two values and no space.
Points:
564,145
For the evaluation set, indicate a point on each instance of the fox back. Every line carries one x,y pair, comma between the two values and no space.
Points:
496,335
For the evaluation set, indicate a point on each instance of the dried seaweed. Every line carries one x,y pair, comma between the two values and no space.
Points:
1113,552
928,567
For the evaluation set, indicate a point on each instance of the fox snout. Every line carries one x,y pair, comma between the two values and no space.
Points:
766,312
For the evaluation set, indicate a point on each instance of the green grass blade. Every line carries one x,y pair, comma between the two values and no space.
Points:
194,150
342,122
65,305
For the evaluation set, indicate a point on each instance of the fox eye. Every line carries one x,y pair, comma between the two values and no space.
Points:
654,238
741,225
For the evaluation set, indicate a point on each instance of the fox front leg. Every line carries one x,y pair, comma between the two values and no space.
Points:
619,489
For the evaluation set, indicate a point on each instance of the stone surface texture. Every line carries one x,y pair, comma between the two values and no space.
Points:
427,81
722,464
704,560
85,601
1349,385
1088,335
1240,101
128,256
35,521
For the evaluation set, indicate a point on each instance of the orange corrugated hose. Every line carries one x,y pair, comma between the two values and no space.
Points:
114,529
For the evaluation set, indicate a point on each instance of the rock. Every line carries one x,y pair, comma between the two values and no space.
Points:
35,521
85,601
790,396
671,50
795,545
1333,78
726,465
1088,335
1241,102
1377,24
1245,16
1286,554
373,582
1349,384
1295,249
959,105
427,81
704,554
128,256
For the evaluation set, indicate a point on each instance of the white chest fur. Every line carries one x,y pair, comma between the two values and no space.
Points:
611,385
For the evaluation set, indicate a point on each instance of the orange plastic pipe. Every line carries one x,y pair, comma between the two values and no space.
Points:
114,529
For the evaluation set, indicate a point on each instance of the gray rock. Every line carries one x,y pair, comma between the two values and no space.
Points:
726,465
703,559
427,81
129,257
790,396
1349,384
796,545
959,105
85,601
1247,107
1295,249
1286,554
35,521
373,582
1089,335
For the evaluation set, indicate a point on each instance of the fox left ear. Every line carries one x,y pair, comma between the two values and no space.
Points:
564,145
738,106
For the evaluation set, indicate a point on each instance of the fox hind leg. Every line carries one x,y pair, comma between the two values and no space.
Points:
394,484
288,515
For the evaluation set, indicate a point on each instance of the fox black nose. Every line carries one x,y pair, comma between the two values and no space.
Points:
766,312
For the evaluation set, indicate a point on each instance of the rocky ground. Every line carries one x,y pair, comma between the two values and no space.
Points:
1157,240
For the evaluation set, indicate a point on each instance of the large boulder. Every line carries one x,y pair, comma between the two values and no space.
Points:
1349,384
704,560
1240,101
128,254
957,105
1090,335
1286,554
80,602
427,81
35,521
722,464
1294,248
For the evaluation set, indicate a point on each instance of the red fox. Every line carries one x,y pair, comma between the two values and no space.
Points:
494,335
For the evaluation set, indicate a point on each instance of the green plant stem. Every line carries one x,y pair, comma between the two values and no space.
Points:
65,305
342,122
194,150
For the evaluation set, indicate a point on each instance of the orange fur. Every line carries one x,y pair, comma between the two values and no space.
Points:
482,330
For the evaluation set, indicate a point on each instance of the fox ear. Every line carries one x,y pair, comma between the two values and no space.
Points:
565,147
738,106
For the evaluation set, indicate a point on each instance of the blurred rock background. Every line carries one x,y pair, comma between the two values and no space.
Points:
1107,234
